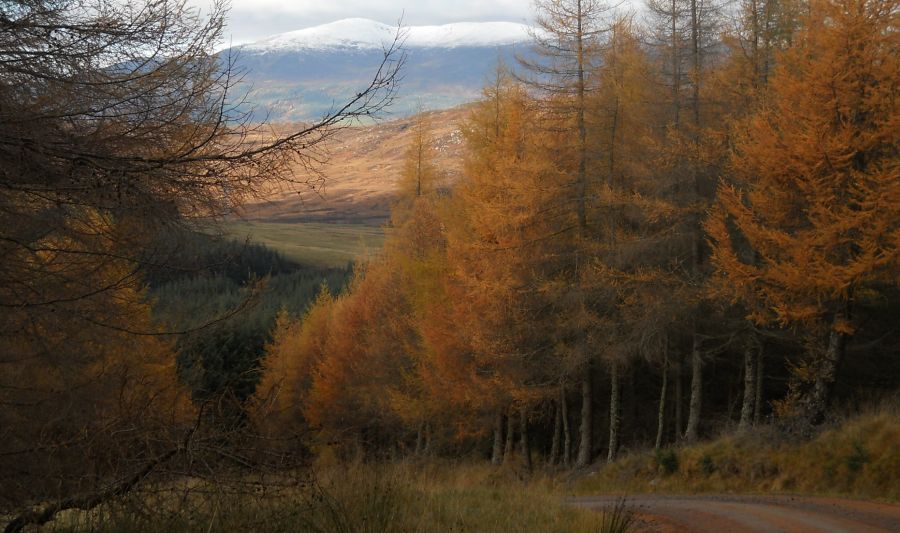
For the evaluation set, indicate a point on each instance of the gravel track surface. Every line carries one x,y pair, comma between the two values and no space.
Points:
726,513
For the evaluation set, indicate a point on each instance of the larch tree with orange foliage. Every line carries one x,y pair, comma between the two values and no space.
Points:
84,403
763,29
497,229
419,177
297,347
568,44
629,276
820,208
350,397
416,251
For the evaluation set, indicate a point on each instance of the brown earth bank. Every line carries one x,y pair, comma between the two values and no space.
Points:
721,513
360,176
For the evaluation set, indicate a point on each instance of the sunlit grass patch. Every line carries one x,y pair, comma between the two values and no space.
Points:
312,243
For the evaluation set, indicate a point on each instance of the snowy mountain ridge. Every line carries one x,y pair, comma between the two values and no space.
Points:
365,34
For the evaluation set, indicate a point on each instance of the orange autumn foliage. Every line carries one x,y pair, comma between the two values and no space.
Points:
821,206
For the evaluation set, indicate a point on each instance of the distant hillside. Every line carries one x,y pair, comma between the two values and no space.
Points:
299,75
362,175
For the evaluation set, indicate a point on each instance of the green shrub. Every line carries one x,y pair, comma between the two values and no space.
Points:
858,458
667,461
707,465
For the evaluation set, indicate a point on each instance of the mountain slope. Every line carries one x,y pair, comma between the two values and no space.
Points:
300,75
361,176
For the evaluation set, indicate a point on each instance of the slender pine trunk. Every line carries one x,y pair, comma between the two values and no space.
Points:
567,434
758,400
557,429
510,436
676,70
420,438
580,124
614,408
661,414
526,445
679,399
826,370
750,352
693,424
692,432
587,420
497,451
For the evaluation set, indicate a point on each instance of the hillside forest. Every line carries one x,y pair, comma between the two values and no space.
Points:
666,228
669,226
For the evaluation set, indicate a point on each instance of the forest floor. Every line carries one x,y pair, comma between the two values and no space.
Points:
715,513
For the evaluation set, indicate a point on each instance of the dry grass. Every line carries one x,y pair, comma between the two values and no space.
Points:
479,497
398,497
361,175
858,458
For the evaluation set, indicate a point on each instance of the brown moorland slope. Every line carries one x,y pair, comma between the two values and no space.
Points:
361,175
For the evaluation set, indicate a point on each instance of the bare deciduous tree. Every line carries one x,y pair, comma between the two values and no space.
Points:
117,120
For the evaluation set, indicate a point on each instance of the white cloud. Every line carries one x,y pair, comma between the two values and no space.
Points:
250,20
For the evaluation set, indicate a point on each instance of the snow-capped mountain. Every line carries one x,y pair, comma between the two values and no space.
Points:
365,34
299,75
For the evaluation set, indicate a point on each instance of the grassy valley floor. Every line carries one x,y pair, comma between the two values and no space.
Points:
312,243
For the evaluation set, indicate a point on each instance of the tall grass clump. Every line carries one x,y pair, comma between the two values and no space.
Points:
619,519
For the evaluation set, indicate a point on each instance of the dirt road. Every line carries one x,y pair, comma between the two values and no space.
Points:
721,513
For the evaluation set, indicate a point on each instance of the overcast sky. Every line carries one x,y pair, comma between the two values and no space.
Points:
251,20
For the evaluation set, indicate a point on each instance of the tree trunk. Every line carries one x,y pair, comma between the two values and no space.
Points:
614,418
758,401
676,71
693,424
420,439
826,370
628,412
580,124
679,399
585,446
661,414
497,451
510,436
526,445
567,434
695,56
557,429
750,352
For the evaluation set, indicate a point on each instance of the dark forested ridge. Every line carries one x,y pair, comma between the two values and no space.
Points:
226,295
